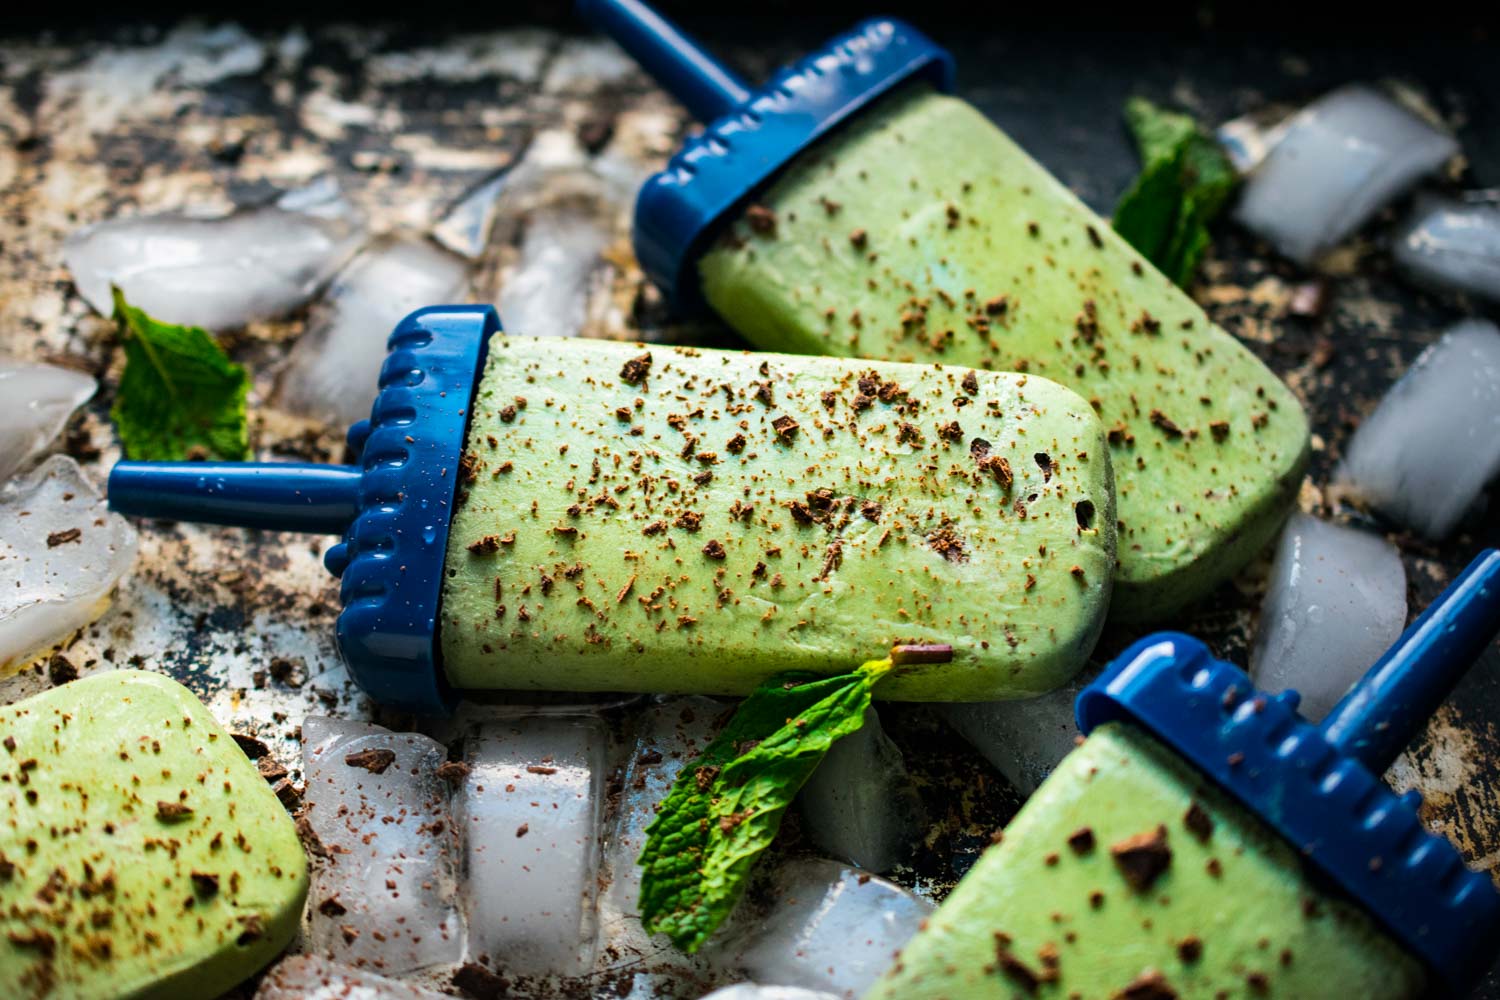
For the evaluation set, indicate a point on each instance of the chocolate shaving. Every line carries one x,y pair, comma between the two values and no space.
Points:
634,371
1149,985
374,761
1198,822
1142,858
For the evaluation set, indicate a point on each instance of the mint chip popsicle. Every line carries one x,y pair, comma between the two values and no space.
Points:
592,516
141,853
1206,840
850,206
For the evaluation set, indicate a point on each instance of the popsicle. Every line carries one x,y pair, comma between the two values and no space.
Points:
586,515
141,854
850,206
1206,840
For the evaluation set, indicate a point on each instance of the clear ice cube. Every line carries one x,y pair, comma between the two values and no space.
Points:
860,804
1340,159
220,274
821,925
466,228
308,977
1024,739
755,991
35,402
1425,454
333,370
61,553
1452,244
385,879
1335,602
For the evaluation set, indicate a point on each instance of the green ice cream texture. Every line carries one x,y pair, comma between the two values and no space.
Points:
141,853
668,519
920,232
1078,900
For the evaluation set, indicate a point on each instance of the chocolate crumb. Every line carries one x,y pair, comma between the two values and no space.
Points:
714,549
1081,840
1258,982
1219,429
453,771
1016,970
374,761
762,220
785,427
1149,985
859,238
250,746
1161,420
478,983
61,670
1198,822
1190,949
1142,858
523,830
56,538
172,812
540,769
634,371
331,907
205,883
970,383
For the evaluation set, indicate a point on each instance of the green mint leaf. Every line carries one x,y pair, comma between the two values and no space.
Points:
180,396
1184,183
725,807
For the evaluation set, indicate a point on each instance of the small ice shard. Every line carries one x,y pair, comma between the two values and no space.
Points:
860,804
1451,244
529,815
466,228
1432,444
220,274
307,977
35,402
1342,158
1336,602
61,553
820,925
385,863
333,370
1024,739
1248,139
754,991
587,66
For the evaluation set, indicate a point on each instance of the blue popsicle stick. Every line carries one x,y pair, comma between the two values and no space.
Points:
281,496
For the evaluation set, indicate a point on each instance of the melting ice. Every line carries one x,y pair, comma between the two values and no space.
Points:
35,402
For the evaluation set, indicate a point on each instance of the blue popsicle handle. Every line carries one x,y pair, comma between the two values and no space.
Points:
1380,714
686,70
280,496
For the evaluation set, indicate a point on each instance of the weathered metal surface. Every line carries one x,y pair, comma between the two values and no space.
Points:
145,120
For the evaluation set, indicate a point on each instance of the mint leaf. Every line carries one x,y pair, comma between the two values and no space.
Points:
1183,185
180,396
725,807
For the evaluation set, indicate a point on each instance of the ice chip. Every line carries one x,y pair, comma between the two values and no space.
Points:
860,804
1432,444
529,816
1024,739
819,925
1452,245
466,228
333,370
754,991
35,402
61,553
548,292
220,274
1336,601
1341,159
307,977
385,865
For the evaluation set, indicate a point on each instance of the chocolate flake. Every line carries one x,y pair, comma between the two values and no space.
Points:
714,549
1190,949
331,907
372,760
1081,840
56,538
786,428
453,771
478,983
1149,985
762,220
1142,858
205,883
1198,822
173,812
1161,420
634,371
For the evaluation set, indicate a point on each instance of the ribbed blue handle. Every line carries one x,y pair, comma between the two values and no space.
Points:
281,496
687,71
1379,716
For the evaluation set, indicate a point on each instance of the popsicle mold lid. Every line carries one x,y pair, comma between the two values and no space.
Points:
1319,785
392,507
750,133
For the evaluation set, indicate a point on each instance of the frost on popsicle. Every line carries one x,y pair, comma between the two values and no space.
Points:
1336,601
820,925
1422,458
333,371
1453,245
307,977
385,862
529,815
1024,739
61,553
254,264
1340,160
860,804
35,402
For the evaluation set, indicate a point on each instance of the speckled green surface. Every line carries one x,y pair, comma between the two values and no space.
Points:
666,536
1261,929
108,888
922,233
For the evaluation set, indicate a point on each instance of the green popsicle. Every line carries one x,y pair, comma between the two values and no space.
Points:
141,854
1128,871
920,232
682,520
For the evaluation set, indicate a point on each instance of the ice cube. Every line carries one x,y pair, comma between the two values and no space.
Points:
466,228
1432,444
385,879
333,370
754,991
1336,601
529,816
587,66
547,294
860,804
35,402
1341,159
220,274
821,925
307,977
1451,244
1023,739
61,554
